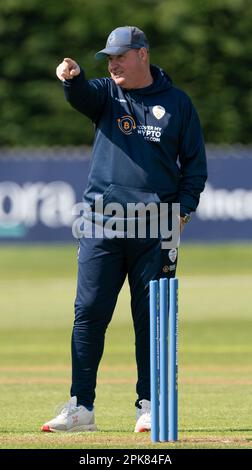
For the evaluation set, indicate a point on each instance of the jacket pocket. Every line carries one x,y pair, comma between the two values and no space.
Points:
126,194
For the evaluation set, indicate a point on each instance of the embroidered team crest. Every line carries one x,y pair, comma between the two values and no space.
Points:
158,111
126,124
172,254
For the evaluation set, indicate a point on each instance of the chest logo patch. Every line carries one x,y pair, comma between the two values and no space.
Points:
158,111
126,124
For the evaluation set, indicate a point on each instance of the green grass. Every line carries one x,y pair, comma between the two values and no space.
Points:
215,351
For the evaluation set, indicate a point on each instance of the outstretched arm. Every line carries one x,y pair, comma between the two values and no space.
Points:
87,96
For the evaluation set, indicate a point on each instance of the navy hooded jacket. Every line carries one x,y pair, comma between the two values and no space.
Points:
148,143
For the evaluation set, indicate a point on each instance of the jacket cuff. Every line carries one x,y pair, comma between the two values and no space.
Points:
184,210
68,83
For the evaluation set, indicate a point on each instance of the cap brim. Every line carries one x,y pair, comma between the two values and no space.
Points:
111,51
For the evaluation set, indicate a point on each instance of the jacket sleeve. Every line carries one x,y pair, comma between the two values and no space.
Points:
87,96
192,158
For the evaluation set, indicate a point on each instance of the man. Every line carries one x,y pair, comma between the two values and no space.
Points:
148,148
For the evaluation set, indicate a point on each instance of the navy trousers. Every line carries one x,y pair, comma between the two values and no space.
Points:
103,265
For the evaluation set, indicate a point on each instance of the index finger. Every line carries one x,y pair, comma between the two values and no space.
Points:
69,61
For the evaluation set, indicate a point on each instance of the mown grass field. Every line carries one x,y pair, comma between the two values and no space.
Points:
215,351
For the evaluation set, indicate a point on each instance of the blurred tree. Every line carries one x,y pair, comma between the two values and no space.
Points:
205,45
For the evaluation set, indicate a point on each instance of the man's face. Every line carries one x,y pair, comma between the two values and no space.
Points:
127,70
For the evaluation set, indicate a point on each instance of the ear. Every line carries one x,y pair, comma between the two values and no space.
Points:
143,54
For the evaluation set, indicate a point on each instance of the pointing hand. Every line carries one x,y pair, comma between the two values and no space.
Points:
68,69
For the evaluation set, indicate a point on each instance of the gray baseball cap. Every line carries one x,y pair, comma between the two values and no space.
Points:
123,39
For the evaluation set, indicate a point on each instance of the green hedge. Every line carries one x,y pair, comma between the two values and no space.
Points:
205,45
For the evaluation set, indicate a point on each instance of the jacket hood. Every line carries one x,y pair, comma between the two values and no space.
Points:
161,82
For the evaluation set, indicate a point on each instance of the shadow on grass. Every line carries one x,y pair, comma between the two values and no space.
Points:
128,431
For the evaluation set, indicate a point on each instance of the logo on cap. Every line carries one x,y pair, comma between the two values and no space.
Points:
111,38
